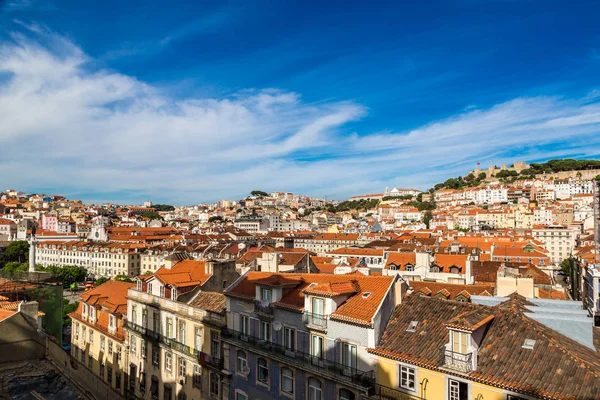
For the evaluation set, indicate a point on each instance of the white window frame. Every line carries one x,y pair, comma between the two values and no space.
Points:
293,380
169,362
240,362
286,339
310,388
258,369
409,370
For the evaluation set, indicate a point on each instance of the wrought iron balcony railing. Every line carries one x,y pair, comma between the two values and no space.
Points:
315,321
457,361
340,371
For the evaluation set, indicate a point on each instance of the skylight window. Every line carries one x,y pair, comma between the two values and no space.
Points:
529,343
366,295
412,327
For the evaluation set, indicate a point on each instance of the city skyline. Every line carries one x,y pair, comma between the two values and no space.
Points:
217,100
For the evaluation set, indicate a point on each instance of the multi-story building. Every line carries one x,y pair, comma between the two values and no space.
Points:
8,229
454,350
100,259
305,336
564,188
326,242
98,341
557,239
175,346
492,194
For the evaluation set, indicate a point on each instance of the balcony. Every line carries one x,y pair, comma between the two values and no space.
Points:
303,360
180,347
147,332
457,361
263,310
315,321
380,392
211,361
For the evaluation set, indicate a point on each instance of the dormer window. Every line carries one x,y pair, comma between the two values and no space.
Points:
150,288
112,322
434,268
410,267
139,285
85,310
265,295
173,294
92,313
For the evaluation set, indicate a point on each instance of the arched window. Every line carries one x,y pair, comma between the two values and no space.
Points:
315,392
393,267
242,361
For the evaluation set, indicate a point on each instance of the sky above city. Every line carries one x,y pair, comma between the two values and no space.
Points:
189,102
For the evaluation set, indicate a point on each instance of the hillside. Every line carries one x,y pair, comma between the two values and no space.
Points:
509,176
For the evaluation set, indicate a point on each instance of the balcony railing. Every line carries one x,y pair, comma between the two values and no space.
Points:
315,321
214,362
457,361
377,392
180,347
149,333
263,309
339,371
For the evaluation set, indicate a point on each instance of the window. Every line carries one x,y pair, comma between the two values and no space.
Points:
118,380
459,342
162,291
198,339
154,388
197,377
132,375
109,374
317,346
77,331
182,332
314,389
90,361
155,355
346,394
143,348
102,342
144,318
265,295
169,362
118,353
110,348
457,390
289,338
214,384
156,322
265,331
349,358
167,392
182,367
239,395
169,328
242,361
85,310
287,380
83,333
263,371
244,324
91,336
215,345
318,306
134,314
101,370
407,377
112,322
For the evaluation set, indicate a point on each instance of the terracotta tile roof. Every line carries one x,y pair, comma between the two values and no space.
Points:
552,294
470,320
331,289
210,301
451,290
111,295
400,260
556,368
351,251
4,314
486,271
357,309
336,236
448,260
185,273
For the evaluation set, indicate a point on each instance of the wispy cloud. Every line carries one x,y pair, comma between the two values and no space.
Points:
76,128
29,5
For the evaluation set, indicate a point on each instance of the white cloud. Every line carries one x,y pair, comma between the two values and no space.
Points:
69,127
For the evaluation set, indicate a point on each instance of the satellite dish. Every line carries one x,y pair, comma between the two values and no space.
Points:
277,326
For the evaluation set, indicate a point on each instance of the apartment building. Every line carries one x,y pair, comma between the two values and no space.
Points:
100,259
98,341
557,239
305,336
421,266
439,349
326,242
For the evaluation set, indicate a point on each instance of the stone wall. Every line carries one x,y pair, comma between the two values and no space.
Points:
19,341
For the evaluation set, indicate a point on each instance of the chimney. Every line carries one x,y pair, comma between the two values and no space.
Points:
29,309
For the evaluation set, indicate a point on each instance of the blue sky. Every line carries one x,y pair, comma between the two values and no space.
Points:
197,101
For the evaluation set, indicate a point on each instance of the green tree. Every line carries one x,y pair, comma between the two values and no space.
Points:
427,217
259,193
123,278
101,280
215,218
17,251
163,207
565,266
14,266
68,308
68,274
151,215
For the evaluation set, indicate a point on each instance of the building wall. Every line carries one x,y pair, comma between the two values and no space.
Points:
19,341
